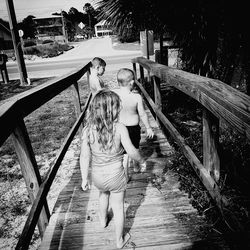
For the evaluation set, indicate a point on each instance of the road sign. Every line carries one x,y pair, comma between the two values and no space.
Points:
81,25
20,32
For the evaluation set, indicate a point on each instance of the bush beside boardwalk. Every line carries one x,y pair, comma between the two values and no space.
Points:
41,50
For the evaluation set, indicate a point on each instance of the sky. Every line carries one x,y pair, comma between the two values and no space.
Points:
40,8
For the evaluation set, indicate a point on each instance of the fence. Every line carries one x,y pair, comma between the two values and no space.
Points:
219,102
12,114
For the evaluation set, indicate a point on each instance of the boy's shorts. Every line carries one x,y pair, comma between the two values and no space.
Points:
135,135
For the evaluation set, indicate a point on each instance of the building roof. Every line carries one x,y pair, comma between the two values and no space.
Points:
101,23
47,17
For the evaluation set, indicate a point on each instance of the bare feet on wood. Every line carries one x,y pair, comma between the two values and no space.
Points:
123,241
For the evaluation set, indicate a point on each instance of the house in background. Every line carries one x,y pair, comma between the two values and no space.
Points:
103,29
5,38
51,28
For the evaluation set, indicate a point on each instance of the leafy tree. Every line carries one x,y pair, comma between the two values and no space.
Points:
89,10
28,26
130,16
212,35
91,13
4,25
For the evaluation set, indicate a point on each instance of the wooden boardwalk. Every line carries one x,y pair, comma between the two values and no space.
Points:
158,213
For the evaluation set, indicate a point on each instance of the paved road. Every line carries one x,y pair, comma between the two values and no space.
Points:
80,55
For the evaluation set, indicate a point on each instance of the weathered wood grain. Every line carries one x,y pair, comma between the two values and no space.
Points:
24,103
202,173
221,99
37,205
29,169
152,214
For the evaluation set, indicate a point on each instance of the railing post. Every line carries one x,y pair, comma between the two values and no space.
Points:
211,160
29,169
135,72
88,72
142,80
157,96
77,102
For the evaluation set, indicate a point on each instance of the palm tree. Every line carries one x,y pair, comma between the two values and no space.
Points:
124,14
88,8
212,43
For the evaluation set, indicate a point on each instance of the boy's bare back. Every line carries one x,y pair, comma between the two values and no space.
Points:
129,114
132,105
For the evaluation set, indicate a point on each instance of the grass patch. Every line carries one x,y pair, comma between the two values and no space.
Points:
47,50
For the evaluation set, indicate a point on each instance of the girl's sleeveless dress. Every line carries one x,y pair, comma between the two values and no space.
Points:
107,169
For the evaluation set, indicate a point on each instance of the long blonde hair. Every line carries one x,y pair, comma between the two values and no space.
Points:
102,116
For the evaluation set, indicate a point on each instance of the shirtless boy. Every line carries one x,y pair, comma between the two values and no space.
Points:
132,111
97,69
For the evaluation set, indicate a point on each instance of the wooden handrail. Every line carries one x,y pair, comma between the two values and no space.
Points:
36,208
222,100
12,113
28,101
209,183
219,101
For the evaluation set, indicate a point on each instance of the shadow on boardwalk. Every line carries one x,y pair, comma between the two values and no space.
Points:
158,214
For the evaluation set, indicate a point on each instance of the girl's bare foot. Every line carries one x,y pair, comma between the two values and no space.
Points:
123,241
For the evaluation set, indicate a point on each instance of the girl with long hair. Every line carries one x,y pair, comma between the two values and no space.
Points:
103,142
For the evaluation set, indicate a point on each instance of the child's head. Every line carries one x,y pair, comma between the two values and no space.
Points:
103,113
99,65
125,77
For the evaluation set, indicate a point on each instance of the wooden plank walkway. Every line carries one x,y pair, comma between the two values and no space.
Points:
158,213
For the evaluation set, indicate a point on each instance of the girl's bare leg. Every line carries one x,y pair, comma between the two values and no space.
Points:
117,204
104,204
126,166
136,166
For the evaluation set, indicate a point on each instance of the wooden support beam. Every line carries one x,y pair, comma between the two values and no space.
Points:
134,69
29,170
88,73
142,79
29,227
224,101
77,103
211,160
200,170
28,101
157,96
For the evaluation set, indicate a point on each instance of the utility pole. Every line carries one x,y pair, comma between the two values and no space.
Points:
17,43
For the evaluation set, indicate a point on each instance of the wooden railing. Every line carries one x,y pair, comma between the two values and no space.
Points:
219,102
12,115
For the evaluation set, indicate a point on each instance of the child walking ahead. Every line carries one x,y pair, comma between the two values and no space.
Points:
103,143
132,111
97,69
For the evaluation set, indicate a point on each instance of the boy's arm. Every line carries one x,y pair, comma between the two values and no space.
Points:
143,116
85,156
94,84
